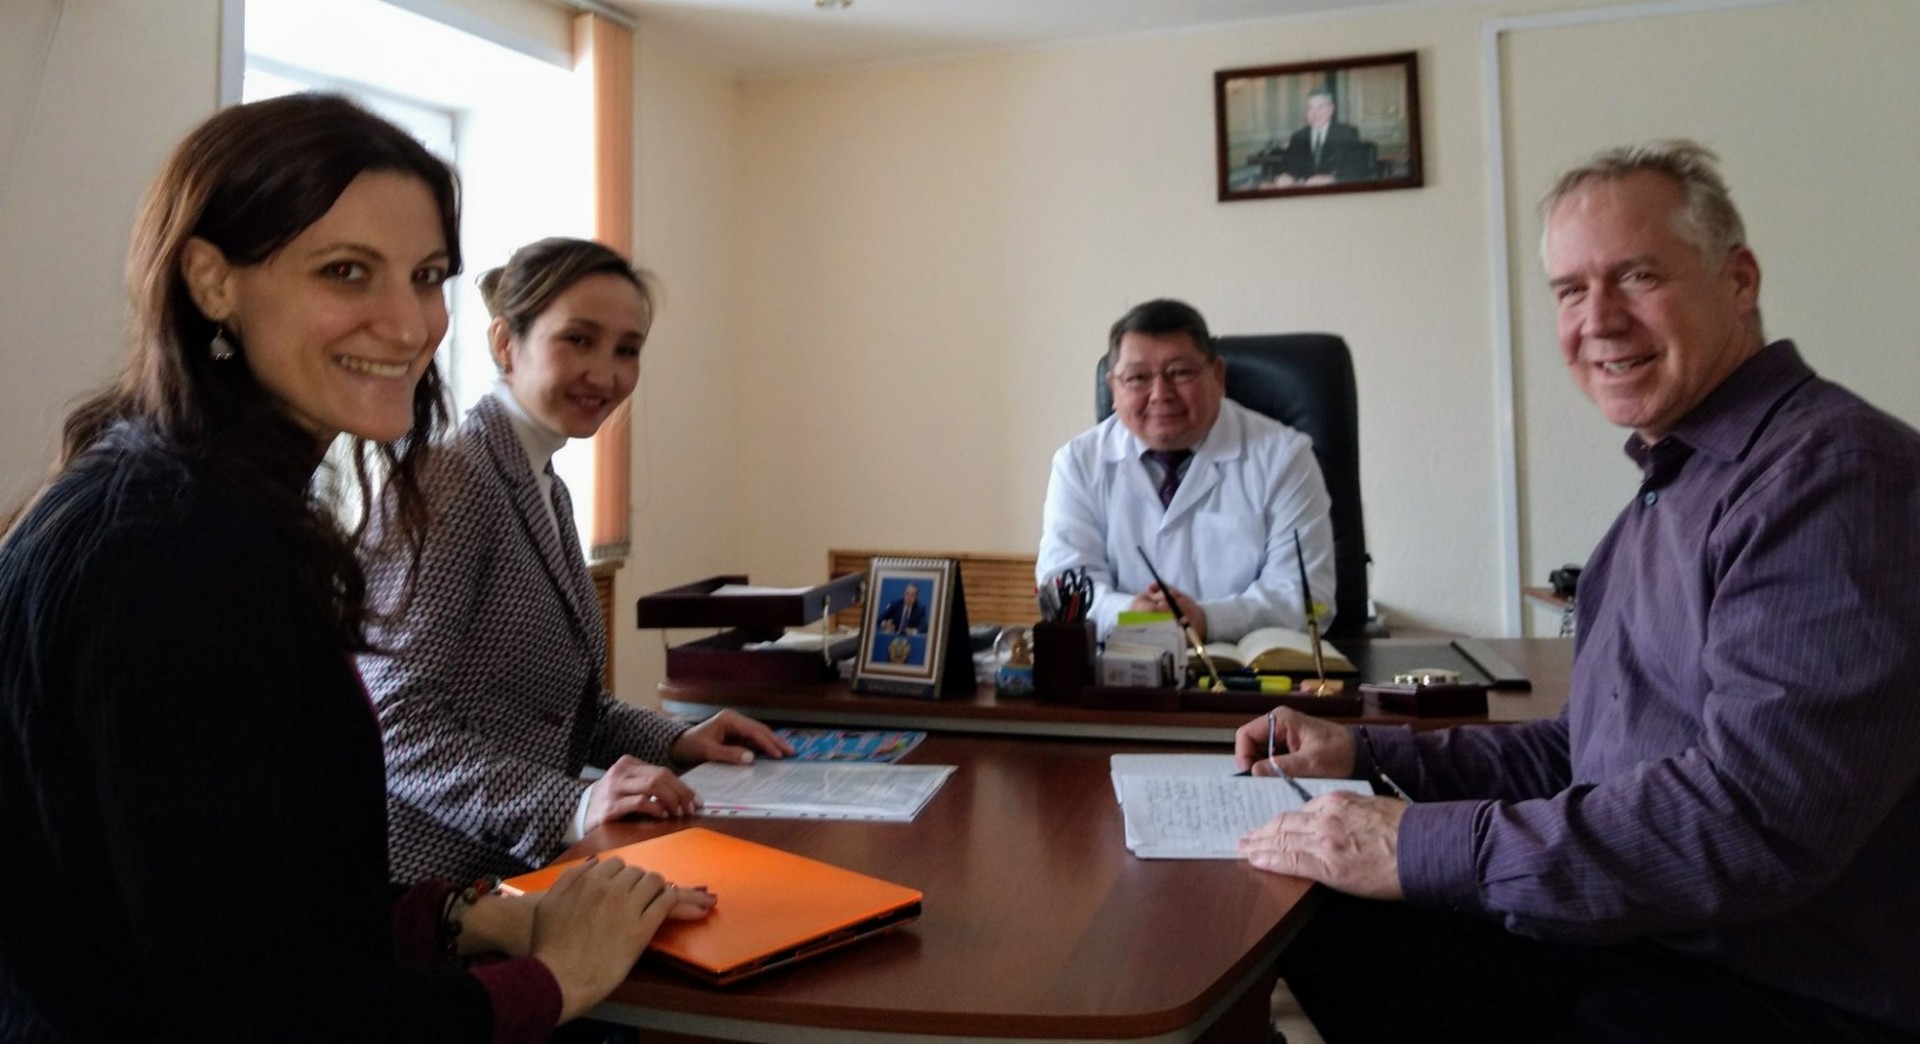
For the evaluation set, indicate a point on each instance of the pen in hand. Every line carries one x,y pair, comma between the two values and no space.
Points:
1380,773
1275,765
1186,626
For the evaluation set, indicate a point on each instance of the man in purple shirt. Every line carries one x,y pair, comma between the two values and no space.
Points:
1719,838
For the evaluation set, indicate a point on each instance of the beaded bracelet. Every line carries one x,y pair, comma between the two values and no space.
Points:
455,910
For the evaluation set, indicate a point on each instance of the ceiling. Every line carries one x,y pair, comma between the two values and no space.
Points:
769,38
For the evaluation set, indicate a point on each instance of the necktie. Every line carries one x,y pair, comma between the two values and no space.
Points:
1319,136
1170,462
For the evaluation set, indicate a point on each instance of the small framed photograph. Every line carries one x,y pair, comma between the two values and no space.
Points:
906,626
1345,125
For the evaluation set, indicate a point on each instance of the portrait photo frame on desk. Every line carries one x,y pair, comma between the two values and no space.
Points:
913,630
1315,128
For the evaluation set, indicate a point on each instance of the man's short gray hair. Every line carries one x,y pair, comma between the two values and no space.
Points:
1707,216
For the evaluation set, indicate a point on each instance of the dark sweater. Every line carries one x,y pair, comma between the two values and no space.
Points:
192,809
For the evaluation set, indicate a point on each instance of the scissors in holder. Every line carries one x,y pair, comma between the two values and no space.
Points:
1076,594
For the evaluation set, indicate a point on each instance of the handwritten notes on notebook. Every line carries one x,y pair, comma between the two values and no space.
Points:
1192,806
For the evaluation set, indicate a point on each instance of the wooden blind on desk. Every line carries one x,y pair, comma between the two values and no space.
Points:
999,588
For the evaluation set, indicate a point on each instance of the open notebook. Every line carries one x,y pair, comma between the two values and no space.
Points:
775,907
1193,806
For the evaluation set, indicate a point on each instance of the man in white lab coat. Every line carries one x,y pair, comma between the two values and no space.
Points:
1213,492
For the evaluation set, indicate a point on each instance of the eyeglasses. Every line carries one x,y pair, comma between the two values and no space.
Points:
1178,375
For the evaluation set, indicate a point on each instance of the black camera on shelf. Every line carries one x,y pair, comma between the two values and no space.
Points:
1564,579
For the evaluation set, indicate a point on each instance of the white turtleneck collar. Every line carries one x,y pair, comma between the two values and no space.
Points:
540,443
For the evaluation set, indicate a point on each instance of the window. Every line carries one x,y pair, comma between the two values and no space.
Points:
516,127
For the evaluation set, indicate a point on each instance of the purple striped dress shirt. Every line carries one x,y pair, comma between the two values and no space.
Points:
1736,771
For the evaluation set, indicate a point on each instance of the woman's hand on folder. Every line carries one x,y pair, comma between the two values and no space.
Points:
730,738
1302,744
592,925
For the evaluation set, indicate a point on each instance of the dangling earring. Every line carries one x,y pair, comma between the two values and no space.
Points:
220,348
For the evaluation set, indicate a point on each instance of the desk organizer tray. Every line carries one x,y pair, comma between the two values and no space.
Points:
1117,697
751,618
1428,701
1109,697
695,604
1472,659
1343,704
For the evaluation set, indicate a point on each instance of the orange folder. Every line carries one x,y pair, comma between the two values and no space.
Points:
775,907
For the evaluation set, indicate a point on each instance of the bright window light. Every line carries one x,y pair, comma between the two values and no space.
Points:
518,129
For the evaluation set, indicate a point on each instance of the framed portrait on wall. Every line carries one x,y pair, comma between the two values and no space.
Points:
1343,125
913,633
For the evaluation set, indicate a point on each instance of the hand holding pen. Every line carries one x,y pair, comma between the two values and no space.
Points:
1314,747
1318,749
1346,841
1272,731
1186,624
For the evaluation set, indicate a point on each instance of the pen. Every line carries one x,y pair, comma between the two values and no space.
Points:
1275,765
1180,618
1380,773
1313,618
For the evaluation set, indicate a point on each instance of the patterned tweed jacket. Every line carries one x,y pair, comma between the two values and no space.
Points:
488,678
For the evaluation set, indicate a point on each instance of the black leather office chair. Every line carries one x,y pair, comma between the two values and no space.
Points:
1304,381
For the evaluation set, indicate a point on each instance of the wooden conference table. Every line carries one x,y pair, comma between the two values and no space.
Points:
1038,923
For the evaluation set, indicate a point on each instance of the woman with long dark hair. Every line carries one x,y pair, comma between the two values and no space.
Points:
192,806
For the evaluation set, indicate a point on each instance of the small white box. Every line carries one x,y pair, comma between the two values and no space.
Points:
1162,636
1135,666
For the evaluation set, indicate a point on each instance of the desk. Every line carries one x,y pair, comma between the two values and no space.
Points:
1038,922
1547,662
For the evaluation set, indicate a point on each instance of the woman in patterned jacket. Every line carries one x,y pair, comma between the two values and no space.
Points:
488,679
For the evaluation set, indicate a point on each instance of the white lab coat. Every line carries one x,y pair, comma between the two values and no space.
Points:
1227,538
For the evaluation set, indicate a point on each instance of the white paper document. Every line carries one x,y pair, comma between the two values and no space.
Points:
1195,808
757,589
816,789
805,640
1216,765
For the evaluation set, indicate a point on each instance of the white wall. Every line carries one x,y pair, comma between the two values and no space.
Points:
123,80
932,256
687,422
929,256
1808,105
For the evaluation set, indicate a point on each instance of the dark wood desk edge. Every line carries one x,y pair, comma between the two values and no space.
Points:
712,1013
1546,661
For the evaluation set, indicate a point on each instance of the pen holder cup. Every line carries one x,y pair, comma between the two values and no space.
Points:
1062,660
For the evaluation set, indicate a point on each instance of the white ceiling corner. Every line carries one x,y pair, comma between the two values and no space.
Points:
769,38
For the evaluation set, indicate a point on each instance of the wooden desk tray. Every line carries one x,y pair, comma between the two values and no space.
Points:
1115,697
1473,659
1428,701
1103,697
720,658
695,605
1345,704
